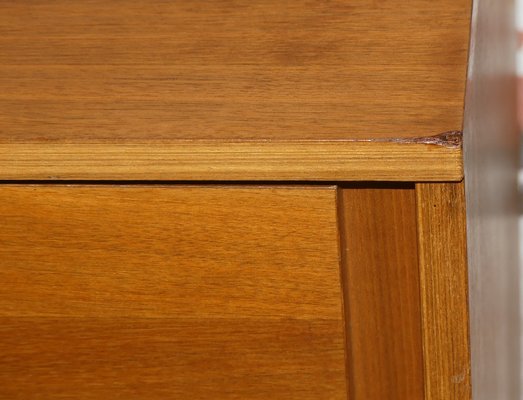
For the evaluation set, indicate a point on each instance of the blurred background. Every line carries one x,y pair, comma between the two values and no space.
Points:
519,62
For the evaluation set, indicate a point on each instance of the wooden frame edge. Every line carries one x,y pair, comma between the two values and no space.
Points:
444,290
275,161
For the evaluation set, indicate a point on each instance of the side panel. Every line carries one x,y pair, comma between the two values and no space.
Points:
381,289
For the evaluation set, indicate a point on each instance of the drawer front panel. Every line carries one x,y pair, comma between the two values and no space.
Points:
170,292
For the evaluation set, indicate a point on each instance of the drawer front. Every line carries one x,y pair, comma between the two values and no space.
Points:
170,292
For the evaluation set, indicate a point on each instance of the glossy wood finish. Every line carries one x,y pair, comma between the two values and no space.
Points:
382,292
271,75
444,290
175,291
491,150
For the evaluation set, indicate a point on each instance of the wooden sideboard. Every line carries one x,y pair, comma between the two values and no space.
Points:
252,200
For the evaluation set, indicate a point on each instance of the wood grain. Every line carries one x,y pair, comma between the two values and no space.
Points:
492,157
381,291
132,70
178,73
141,291
311,161
444,290
141,358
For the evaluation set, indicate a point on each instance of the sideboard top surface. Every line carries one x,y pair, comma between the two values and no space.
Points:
129,72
